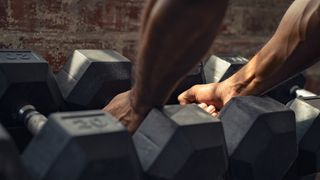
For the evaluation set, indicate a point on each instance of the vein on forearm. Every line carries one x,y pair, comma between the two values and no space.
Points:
294,47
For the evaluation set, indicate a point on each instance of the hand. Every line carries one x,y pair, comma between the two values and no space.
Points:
120,107
210,109
215,94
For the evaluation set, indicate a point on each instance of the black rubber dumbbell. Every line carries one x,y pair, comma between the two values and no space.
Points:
260,137
205,149
24,76
214,69
307,113
91,78
11,167
78,146
220,68
315,176
217,69
181,143
284,91
256,127
259,133
92,144
297,92
195,76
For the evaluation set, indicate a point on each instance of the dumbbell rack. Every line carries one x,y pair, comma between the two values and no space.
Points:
35,84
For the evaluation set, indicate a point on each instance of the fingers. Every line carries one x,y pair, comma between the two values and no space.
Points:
203,105
215,114
210,109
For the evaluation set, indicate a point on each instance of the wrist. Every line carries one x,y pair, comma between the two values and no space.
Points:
227,90
141,108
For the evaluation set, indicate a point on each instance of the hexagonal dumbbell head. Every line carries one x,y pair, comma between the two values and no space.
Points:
25,79
307,112
11,167
82,146
260,137
195,76
315,176
181,143
91,78
284,92
217,69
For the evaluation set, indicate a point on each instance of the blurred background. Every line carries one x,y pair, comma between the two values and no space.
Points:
54,28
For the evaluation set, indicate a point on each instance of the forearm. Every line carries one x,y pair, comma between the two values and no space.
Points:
145,15
177,33
294,47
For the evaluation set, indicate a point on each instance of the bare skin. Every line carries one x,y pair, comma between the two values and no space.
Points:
174,38
294,47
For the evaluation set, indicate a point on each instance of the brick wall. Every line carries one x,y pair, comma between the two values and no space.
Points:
54,28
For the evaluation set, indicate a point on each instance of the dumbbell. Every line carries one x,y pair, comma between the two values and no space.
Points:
259,134
307,112
155,170
23,77
181,143
91,78
205,149
214,69
79,145
284,92
297,92
218,69
195,76
11,167
260,137
315,176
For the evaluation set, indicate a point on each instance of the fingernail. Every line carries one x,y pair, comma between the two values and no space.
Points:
215,114
203,105
210,109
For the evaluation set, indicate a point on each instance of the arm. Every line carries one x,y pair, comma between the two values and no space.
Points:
146,14
294,47
176,35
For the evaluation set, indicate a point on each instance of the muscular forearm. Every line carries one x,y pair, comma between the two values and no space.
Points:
176,34
294,47
146,14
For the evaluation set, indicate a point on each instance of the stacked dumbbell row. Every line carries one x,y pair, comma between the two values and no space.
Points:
75,145
173,143
98,75
92,77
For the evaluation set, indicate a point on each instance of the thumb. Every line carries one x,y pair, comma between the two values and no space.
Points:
187,97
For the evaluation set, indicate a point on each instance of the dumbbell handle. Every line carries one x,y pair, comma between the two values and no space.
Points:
298,92
33,120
